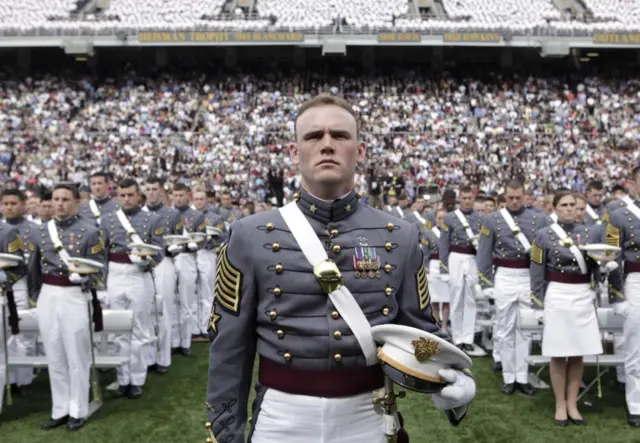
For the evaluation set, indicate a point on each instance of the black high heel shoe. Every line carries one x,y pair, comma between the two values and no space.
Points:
578,421
562,423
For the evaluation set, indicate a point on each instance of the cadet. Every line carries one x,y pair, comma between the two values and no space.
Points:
164,274
206,264
187,270
315,385
561,278
623,230
62,306
14,208
594,208
458,244
129,280
505,242
228,213
438,289
10,243
101,203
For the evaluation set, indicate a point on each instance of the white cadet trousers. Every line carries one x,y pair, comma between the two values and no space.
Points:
3,368
463,275
631,334
166,285
289,418
185,318
63,318
130,288
511,294
206,262
21,344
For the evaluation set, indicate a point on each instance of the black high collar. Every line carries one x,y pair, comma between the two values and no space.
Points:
327,212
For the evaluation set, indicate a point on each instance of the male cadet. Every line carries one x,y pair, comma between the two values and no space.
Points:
227,211
45,209
187,270
594,208
393,205
505,242
10,243
101,203
458,244
62,310
165,273
620,196
129,280
206,264
623,230
14,206
314,382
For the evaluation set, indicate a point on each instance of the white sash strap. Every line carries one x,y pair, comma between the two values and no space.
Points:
554,217
419,217
632,206
124,221
465,224
573,248
593,215
94,209
53,233
436,232
342,298
399,209
389,208
515,228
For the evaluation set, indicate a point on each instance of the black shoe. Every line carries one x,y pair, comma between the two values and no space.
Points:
22,391
467,348
185,352
162,369
122,391
562,423
152,368
497,366
526,388
175,351
634,421
55,423
578,421
75,424
135,391
509,388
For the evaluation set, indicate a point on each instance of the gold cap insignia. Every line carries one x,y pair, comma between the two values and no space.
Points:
424,349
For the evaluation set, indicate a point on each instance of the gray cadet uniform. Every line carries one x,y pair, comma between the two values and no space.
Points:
599,210
458,267
623,230
62,311
105,206
559,286
438,288
501,250
166,279
268,299
229,215
186,320
21,344
10,243
130,286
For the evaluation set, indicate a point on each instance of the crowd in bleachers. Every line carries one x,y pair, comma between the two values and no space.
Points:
226,132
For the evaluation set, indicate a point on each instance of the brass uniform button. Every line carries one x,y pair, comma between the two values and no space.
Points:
287,356
337,358
296,196
337,335
269,227
387,268
335,249
277,291
388,291
385,311
388,246
334,233
280,333
358,195
275,247
335,315
273,315
279,268
390,227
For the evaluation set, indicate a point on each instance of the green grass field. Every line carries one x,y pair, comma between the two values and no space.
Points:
172,410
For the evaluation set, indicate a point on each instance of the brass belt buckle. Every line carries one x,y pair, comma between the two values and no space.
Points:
328,275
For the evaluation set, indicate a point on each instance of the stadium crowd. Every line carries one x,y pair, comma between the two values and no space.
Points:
226,132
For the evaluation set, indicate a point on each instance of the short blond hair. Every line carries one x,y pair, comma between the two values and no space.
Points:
326,100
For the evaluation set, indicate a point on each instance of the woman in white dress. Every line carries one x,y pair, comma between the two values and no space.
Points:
438,289
561,278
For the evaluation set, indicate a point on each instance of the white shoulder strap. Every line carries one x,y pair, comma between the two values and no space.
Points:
342,298
419,217
632,206
436,231
465,225
593,214
515,229
573,248
554,217
399,210
94,209
55,239
124,221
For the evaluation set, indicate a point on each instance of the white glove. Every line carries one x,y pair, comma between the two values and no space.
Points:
192,246
77,278
622,308
175,249
3,276
608,267
459,393
135,259
488,293
444,278
539,316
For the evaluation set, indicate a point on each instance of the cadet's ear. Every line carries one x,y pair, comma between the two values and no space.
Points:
293,154
362,151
